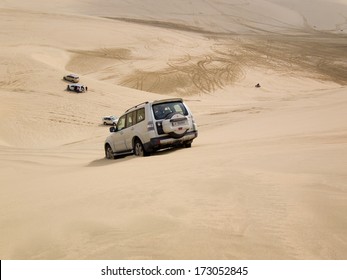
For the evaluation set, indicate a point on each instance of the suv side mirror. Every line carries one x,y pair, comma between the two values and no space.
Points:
113,129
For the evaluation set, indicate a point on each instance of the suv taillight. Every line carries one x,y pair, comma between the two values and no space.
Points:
150,126
195,127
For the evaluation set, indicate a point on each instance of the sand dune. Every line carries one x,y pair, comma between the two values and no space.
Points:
265,179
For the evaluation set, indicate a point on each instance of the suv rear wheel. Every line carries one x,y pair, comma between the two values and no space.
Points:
139,149
187,144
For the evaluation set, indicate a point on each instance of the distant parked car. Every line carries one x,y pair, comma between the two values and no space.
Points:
72,78
112,120
79,88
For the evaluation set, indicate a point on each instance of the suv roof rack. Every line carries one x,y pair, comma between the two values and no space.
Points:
167,100
136,106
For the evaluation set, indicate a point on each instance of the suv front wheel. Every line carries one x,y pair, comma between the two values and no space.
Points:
108,152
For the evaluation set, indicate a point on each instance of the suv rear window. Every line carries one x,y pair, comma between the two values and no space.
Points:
162,110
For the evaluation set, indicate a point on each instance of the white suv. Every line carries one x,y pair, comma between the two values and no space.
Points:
112,120
152,126
72,78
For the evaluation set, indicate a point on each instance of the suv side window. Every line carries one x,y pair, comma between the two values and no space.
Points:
134,117
131,118
140,115
121,123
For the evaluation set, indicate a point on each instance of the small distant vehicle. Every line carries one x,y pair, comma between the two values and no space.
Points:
79,88
72,78
111,120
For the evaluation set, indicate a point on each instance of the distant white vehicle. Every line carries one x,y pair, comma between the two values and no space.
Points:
79,88
111,120
72,78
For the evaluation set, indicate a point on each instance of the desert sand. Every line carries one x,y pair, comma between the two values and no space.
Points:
265,179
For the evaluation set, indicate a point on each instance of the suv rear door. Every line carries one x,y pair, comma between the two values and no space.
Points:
129,130
118,136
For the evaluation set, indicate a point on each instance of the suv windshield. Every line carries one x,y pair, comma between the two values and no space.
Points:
162,110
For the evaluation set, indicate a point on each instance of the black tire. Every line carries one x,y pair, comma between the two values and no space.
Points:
139,150
177,136
109,152
187,144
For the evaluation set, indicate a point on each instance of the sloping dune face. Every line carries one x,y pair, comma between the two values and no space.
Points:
224,62
285,36
266,177
210,54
